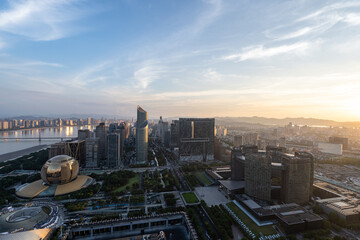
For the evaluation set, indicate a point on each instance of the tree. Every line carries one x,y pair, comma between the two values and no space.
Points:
333,217
326,224
317,209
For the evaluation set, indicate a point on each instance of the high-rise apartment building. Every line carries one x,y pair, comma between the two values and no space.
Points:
141,136
196,139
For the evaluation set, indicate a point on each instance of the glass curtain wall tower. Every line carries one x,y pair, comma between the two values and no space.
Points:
141,136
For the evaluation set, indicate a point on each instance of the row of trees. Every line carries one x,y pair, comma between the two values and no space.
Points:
75,206
33,161
221,219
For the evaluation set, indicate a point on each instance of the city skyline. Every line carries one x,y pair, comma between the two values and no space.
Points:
188,58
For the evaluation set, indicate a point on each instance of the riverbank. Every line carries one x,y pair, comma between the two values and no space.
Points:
34,128
17,154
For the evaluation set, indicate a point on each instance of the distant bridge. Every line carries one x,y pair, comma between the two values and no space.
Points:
36,138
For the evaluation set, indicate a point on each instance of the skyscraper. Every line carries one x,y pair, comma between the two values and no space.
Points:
297,177
258,176
92,145
101,134
141,136
113,151
174,134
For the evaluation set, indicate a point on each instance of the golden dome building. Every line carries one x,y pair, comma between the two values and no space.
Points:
59,176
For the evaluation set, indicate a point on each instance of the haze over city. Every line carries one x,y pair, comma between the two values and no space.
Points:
179,119
189,58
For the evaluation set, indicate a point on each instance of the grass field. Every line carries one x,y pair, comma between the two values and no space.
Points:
203,178
133,180
190,197
265,230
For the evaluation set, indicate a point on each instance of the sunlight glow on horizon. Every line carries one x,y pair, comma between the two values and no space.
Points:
181,58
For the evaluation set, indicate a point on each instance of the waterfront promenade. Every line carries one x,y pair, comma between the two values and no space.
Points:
16,154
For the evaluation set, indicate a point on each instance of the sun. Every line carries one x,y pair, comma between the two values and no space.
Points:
352,106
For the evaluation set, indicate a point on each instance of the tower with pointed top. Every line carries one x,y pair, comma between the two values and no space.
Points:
141,136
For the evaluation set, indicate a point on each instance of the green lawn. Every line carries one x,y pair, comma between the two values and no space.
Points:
203,178
265,230
133,180
190,197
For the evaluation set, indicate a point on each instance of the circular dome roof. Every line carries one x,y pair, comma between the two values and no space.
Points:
60,170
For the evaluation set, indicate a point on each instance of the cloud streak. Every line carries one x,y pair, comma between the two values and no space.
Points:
260,52
147,74
40,20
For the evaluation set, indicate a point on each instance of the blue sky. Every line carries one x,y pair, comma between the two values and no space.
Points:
181,58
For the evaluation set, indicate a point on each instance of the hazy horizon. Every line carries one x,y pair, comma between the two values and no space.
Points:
181,58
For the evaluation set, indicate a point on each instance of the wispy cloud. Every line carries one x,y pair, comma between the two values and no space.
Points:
92,74
147,74
318,22
352,19
259,52
40,20
329,9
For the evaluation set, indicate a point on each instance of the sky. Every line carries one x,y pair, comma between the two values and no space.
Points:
201,58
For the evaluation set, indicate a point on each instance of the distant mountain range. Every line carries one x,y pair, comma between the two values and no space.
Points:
219,120
285,121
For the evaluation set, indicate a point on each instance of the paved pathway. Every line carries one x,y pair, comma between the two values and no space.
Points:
16,154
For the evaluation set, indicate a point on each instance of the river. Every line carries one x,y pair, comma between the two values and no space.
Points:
11,145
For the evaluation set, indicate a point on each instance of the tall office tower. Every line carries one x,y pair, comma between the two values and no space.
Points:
258,176
89,121
196,139
83,134
174,134
92,154
238,140
101,134
141,136
162,131
77,150
297,177
340,140
113,150
122,132
127,129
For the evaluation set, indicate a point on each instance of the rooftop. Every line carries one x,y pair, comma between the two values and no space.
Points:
232,185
